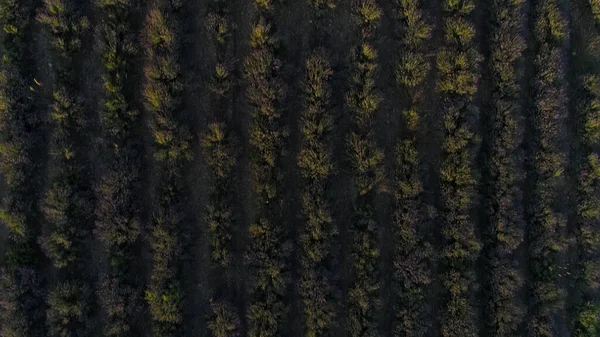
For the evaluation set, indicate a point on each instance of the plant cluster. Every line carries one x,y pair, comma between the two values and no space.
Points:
503,232
118,210
457,63
366,160
546,165
317,286
413,255
219,145
70,202
269,248
171,143
22,304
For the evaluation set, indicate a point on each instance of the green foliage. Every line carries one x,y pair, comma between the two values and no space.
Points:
362,102
322,4
595,8
69,210
550,26
412,70
457,63
314,161
415,30
118,224
267,260
362,299
163,90
366,162
585,310
367,14
264,92
166,305
269,249
458,7
69,311
456,73
547,162
503,234
220,25
121,303
69,204
22,308
65,26
219,149
172,150
413,256
588,321
224,320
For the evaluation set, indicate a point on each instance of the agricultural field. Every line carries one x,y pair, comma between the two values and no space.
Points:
299,168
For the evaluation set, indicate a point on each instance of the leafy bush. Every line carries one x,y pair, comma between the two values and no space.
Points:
69,310
224,320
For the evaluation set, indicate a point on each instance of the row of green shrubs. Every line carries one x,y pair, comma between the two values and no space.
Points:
457,66
317,236
70,202
269,248
118,223
414,255
366,164
585,310
172,151
219,143
546,165
22,308
503,230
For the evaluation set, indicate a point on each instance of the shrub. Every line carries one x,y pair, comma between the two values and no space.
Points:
69,309
224,320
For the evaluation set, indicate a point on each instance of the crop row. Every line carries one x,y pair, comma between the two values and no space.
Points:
457,65
314,160
269,250
414,254
317,236
118,210
69,205
366,162
219,145
22,306
545,171
586,306
171,143
503,233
